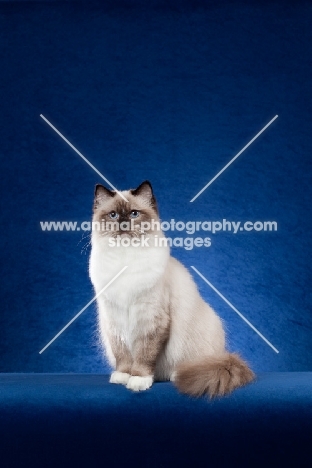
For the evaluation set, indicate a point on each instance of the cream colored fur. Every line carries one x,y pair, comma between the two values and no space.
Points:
154,285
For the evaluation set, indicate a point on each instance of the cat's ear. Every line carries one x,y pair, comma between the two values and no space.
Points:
101,194
145,191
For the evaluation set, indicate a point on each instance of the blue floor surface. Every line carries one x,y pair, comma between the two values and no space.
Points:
82,420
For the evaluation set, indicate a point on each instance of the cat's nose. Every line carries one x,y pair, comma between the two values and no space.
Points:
123,219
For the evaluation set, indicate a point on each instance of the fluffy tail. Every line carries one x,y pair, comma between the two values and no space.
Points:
214,376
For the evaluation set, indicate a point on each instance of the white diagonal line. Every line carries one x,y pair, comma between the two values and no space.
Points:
83,157
235,310
232,160
83,309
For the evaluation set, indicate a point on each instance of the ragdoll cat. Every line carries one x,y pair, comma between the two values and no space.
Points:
153,323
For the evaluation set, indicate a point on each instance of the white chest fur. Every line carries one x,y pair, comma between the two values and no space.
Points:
145,265
124,305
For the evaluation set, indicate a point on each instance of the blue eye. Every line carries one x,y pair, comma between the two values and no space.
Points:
113,215
134,214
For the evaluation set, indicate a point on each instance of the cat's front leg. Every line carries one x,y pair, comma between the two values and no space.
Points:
123,362
146,351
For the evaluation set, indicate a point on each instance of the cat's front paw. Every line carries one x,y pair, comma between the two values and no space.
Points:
173,376
119,378
138,384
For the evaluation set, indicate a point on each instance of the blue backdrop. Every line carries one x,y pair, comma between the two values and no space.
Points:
168,92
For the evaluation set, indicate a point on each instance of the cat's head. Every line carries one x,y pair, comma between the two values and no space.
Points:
115,216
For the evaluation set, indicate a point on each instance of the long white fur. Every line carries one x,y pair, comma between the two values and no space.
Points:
153,279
